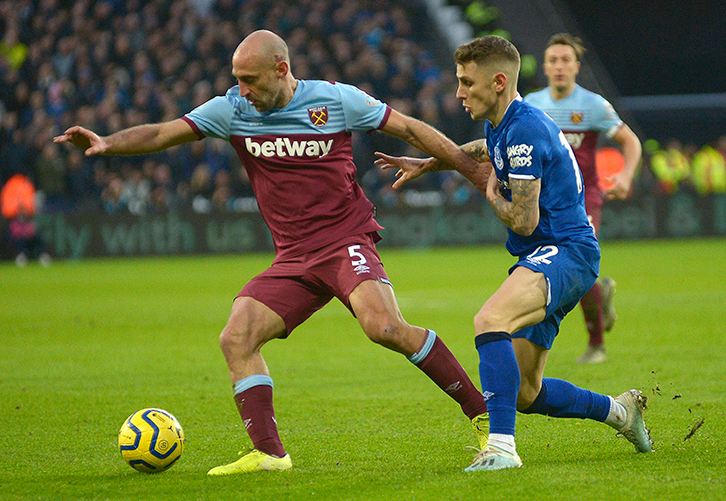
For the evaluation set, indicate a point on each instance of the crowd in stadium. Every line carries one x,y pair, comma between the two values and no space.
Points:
677,167
110,65
113,64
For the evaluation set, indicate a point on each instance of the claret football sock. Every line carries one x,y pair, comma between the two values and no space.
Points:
439,364
592,308
253,396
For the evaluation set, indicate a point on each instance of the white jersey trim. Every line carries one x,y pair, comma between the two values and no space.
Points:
614,129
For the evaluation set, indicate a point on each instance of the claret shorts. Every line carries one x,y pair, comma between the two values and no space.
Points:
297,287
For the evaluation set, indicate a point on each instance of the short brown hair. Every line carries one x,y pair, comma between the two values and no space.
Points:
567,39
487,49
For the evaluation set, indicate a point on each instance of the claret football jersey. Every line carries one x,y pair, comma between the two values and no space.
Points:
299,159
582,116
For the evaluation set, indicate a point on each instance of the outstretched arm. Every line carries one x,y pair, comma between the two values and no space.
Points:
137,140
447,155
408,167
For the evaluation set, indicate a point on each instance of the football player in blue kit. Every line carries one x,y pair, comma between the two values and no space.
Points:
536,189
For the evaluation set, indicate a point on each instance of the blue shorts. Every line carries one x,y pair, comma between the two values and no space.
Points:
571,270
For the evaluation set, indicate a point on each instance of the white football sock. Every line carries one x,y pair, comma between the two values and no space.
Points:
617,415
503,442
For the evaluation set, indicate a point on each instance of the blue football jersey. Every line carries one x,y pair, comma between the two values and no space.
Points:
528,144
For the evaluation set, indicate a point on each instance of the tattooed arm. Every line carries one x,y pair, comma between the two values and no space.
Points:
477,150
522,213
411,168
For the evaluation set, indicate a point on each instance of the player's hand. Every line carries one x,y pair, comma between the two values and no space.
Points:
493,192
87,140
621,187
408,167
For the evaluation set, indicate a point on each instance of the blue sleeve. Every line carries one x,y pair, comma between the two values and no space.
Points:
213,117
528,145
362,112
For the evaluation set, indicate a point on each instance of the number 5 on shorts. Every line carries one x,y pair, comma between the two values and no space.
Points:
357,258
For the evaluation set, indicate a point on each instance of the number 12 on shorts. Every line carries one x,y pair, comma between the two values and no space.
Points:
542,254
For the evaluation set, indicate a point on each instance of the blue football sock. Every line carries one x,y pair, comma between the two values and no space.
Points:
559,398
499,374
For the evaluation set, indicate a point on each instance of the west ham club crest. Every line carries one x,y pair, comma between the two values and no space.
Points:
318,115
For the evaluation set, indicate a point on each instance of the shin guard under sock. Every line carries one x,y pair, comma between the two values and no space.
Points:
439,364
253,396
499,374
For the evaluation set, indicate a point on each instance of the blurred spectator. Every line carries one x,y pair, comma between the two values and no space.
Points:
17,204
136,190
17,196
480,15
80,180
25,241
17,155
709,169
222,194
201,189
12,50
671,166
50,171
458,190
163,195
112,195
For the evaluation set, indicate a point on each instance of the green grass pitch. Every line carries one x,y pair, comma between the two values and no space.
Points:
84,344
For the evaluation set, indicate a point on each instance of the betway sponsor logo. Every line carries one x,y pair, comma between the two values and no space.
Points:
284,147
520,155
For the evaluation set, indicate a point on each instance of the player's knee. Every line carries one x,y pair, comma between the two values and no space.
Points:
249,326
488,320
238,336
384,331
230,336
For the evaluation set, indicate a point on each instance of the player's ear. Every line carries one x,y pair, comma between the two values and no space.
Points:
282,68
500,81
